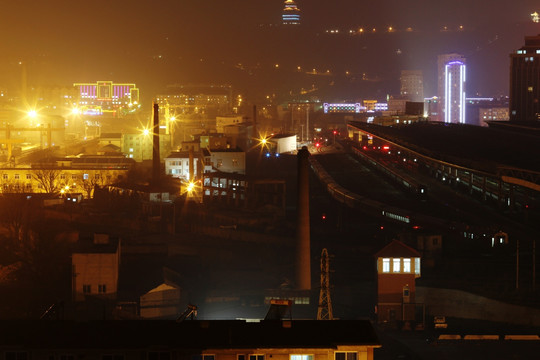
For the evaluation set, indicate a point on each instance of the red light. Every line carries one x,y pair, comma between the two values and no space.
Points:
382,227
335,132
416,227
386,147
324,216
365,147
317,144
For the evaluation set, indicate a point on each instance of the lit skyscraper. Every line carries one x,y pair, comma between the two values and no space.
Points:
452,77
291,13
525,81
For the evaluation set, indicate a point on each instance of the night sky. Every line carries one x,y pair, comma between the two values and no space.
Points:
154,43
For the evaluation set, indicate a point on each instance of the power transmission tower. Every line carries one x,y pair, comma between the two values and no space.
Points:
325,303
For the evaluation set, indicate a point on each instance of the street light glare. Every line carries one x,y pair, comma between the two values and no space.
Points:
32,113
146,132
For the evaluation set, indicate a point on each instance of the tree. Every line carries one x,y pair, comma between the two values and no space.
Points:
47,178
16,213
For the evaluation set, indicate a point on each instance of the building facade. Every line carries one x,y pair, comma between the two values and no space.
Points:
398,266
106,97
177,164
228,160
525,82
70,175
451,88
95,266
412,85
139,147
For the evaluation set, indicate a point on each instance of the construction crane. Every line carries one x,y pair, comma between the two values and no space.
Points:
8,141
325,303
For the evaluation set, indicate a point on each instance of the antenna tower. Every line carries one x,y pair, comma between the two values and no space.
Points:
325,303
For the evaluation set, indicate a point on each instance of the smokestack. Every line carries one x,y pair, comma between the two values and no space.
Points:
155,148
191,165
24,83
303,247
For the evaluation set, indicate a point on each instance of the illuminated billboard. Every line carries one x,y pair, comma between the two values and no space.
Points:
342,108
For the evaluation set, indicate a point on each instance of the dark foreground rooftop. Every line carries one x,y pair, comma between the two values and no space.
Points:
189,334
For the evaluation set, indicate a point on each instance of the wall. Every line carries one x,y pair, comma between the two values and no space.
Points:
460,304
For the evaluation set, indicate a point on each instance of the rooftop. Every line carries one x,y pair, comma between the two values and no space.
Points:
189,334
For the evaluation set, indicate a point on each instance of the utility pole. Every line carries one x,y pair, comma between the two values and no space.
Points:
517,264
325,303
307,122
534,265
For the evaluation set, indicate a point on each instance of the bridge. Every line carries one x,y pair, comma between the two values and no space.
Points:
501,166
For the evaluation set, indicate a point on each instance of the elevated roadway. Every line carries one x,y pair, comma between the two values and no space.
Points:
502,167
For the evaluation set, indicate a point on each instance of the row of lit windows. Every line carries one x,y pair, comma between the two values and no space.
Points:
405,219
297,300
398,265
178,163
61,177
522,52
16,176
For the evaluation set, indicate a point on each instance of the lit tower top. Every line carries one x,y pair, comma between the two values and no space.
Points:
291,13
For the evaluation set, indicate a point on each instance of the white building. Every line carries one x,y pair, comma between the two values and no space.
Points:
282,143
228,160
222,121
95,266
177,164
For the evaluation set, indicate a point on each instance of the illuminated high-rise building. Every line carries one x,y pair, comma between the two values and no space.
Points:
412,85
525,81
452,77
291,13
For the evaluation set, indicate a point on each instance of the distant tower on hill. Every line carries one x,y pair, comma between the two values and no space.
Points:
291,13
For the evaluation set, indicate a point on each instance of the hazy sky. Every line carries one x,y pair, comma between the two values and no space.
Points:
83,40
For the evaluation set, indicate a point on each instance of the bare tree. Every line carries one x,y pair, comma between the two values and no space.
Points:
89,182
47,178
14,209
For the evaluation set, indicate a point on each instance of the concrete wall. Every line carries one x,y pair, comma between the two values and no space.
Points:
460,304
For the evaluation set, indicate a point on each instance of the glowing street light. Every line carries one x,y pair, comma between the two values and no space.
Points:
146,132
32,114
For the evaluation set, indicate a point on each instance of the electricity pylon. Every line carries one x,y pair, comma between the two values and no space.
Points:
325,303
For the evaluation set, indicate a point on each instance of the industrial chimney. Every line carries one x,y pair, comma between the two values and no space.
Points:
155,148
303,251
